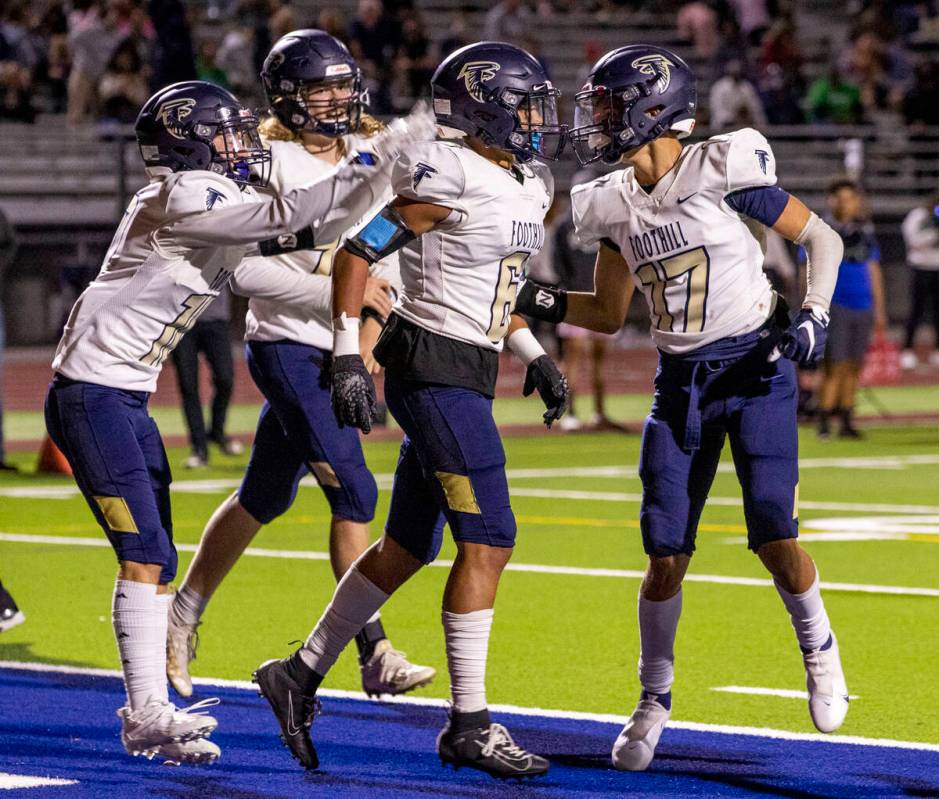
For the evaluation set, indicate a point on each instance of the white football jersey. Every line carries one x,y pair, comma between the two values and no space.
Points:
180,241
697,261
309,322
461,279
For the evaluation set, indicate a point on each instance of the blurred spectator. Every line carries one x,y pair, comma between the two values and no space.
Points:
533,45
752,17
235,58
331,21
882,70
734,102
282,20
7,254
207,67
780,46
15,89
374,38
921,106
921,235
123,88
857,307
455,38
52,72
778,264
696,23
210,336
129,20
507,21
833,99
173,56
780,97
414,61
91,42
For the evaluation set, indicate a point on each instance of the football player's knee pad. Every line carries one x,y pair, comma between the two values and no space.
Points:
771,514
266,499
350,489
477,506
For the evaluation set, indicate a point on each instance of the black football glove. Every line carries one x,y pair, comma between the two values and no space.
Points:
804,341
352,393
552,386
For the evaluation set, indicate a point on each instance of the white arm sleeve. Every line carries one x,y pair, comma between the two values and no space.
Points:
252,222
266,280
824,250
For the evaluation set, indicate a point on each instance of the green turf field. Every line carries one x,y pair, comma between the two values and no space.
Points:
562,639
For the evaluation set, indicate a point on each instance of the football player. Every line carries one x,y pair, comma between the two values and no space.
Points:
468,212
315,91
685,226
182,237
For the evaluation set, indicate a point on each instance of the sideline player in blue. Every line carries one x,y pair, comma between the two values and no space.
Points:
315,91
469,211
857,308
182,238
684,225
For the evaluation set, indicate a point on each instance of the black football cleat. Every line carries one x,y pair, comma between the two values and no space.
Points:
294,710
490,749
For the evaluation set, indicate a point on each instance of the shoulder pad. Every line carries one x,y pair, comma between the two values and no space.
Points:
748,159
198,191
431,172
590,204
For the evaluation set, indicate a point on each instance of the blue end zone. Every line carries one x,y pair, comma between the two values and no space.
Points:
63,726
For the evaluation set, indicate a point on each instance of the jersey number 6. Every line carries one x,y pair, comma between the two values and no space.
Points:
693,265
510,275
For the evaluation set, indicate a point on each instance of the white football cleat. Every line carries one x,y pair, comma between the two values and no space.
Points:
388,671
635,746
159,723
198,752
828,691
182,640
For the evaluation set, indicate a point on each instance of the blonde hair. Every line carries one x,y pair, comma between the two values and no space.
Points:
272,128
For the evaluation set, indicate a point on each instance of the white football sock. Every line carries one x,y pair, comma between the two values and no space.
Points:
140,618
467,640
658,623
356,600
188,606
808,615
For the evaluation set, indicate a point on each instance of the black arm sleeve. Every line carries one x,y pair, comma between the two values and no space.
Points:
288,242
540,301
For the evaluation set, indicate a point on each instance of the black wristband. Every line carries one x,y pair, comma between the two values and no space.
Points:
541,301
370,313
288,242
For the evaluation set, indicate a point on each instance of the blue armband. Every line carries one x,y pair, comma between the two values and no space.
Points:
384,234
763,203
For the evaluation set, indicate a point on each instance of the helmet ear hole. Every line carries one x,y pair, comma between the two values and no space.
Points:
652,113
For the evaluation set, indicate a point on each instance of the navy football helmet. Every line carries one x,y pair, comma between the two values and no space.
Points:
632,95
198,125
313,84
501,94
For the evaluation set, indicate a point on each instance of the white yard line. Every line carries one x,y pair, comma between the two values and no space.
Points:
14,782
606,718
533,568
787,693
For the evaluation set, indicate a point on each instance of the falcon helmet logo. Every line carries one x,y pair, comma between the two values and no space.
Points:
174,111
421,171
655,66
474,74
763,157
